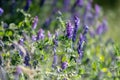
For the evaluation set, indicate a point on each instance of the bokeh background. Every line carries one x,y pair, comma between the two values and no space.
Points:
111,9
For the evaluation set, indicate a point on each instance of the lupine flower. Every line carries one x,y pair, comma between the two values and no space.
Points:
80,3
35,22
76,22
99,29
97,10
42,2
64,65
66,4
5,25
28,2
80,46
1,11
27,60
85,31
92,33
105,24
89,19
102,28
86,28
54,60
21,41
89,6
77,3
18,70
20,52
47,22
87,11
40,35
55,40
69,30
34,38
81,41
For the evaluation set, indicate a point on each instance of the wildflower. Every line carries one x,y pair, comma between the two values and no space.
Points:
66,4
40,35
85,31
76,22
18,70
97,10
69,30
27,60
55,40
80,43
89,6
77,3
54,60
64,65
1,11
28,2
80,3
102,28
47,22
5,25
34,38
35,22
21,41
92,34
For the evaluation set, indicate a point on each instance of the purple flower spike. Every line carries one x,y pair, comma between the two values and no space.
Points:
64,65
80,3
66,4
102,28
88,6
76,22
69,30
21,41
80,52
55,40
34,38
54,60
35,22
1,11
28,2
81,46
40,35
18,70
80,43
97,10
27,60
99,30
86,28
92,34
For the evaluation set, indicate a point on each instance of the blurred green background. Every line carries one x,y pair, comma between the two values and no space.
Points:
111,8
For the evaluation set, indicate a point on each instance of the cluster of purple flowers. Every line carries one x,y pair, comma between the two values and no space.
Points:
55,41
69,30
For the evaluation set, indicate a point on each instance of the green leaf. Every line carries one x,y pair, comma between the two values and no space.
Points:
9,32
1,33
